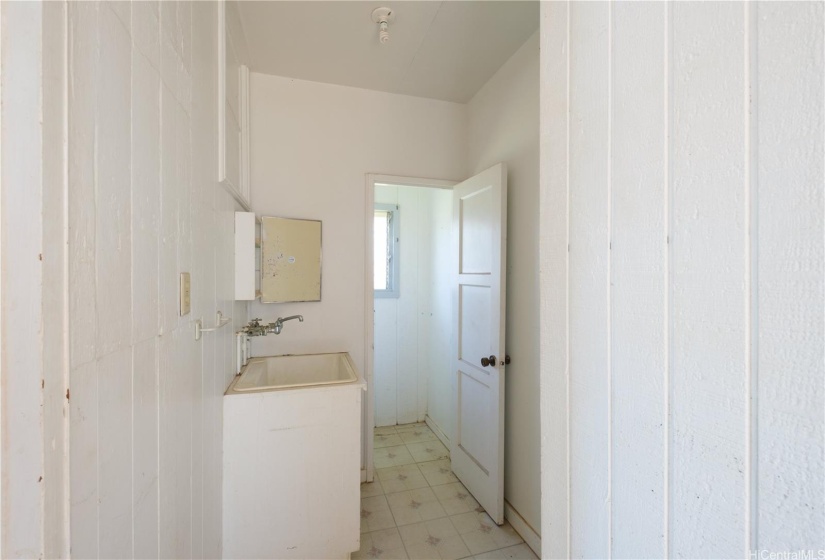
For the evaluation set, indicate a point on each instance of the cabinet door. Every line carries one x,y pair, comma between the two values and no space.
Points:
233,114
247,272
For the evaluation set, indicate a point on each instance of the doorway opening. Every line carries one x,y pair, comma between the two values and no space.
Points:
408,305
435,307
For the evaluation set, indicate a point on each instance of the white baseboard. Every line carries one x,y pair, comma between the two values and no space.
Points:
437,431
531,538
363,475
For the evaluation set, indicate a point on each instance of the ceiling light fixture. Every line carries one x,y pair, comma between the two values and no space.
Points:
382,16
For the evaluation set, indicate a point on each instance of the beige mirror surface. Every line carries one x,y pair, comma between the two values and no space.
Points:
290,260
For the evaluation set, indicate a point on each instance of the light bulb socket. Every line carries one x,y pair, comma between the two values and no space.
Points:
382,16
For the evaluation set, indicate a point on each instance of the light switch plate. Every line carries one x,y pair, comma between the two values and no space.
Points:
185,294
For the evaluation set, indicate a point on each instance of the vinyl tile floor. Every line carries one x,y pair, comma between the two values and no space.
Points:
417,509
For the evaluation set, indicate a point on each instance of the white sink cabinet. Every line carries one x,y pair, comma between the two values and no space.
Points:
292,460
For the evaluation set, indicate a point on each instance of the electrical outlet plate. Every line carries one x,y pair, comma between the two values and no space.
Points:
185,294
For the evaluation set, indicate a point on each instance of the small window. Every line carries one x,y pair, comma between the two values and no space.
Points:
385,251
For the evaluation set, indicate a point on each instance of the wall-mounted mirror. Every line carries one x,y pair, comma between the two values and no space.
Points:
290,260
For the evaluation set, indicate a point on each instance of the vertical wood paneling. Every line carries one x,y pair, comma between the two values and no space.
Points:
144,206
83,462
145,448
553,287
167,368
113,259
589,269
113,243
83,412
183,187
145,272
386,363
709,236
205,237
181,428
425,266
145,191
789,292
83,71
169,283
718,381
146,31
407,317
55,229
114,373
638,280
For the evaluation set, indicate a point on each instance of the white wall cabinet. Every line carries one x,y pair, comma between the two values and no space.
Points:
247,256
233,108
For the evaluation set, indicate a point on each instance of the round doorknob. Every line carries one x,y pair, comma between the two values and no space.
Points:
491,361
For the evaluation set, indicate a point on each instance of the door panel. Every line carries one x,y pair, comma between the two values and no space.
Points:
480,225
474,322
474,395
476,234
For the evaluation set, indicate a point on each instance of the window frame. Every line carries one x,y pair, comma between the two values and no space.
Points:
393,251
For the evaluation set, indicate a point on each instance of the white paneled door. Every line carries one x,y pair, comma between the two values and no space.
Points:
479,229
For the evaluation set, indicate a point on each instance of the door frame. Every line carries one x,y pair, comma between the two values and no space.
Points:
372,179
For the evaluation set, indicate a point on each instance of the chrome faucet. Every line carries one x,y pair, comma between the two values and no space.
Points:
255,328
278,325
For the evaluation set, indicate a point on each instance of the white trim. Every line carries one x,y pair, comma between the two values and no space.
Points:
394,281
32,190
243,161
531,538
236,195
403,181
370,180
221,91
437,431
243,83
369,319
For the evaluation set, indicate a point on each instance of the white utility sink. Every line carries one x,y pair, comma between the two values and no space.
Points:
299,370
292,458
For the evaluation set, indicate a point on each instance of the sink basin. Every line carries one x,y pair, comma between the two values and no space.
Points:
298,370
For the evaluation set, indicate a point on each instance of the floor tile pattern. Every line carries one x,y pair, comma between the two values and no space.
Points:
417,509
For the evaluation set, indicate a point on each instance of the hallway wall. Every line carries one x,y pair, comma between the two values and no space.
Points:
144,206
503,125
682,291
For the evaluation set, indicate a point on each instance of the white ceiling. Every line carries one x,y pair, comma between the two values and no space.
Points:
442,50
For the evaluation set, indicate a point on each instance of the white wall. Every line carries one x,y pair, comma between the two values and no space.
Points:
412,332
144,206
312,145
504,126
682,279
